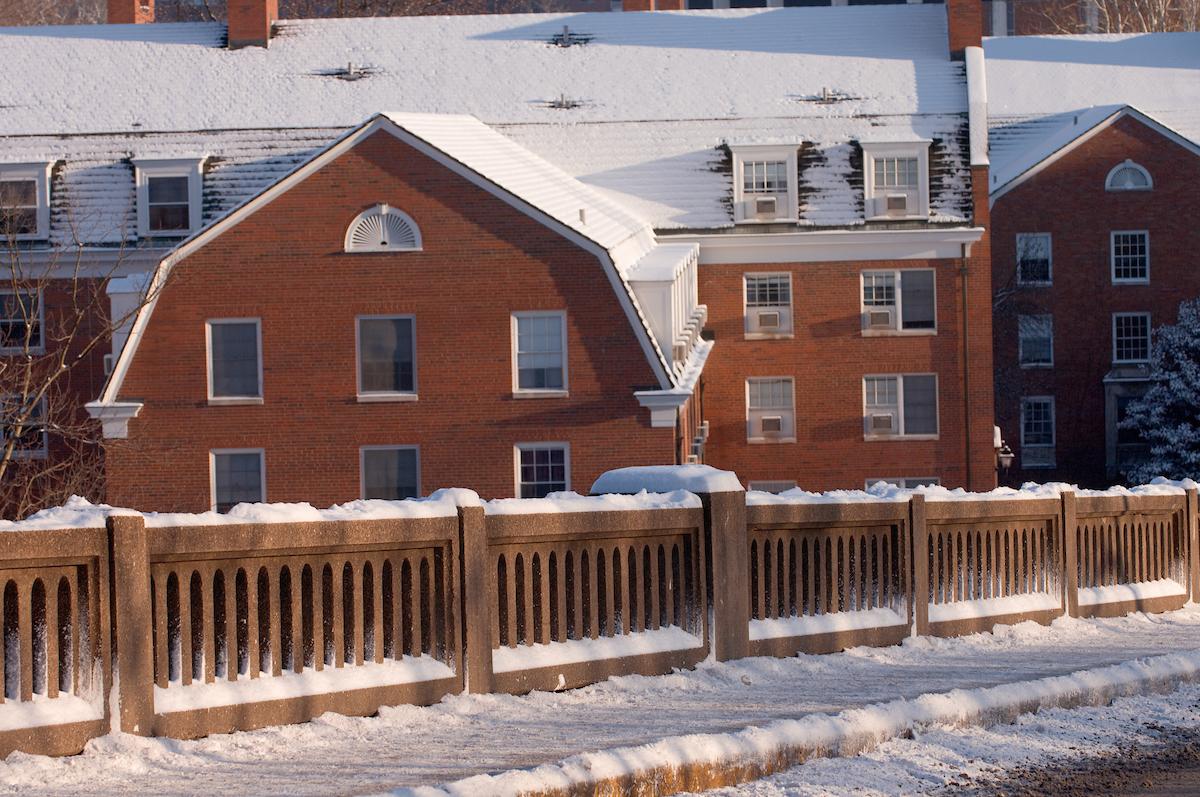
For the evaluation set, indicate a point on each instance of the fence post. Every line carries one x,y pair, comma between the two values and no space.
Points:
1070,557
918,590
728,573
132,621
1193,544
477,599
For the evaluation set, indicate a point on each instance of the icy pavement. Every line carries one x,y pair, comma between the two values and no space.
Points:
466,735
1125,748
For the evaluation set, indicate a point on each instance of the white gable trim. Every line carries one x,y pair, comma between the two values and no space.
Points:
1087,135
112,389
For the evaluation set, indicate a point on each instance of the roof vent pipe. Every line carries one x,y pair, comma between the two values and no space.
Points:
250,22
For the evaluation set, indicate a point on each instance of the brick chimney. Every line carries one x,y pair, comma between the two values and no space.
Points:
965,22
128,12
250,22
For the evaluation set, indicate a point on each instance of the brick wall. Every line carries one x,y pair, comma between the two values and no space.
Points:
1067,199
482,260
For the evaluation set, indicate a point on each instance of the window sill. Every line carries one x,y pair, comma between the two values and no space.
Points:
1131,282
28,455
18,351
1035,284
770,336
539,394
904,438
1037,366
777,220
756,441
234,401
385,398
1119,363
899,333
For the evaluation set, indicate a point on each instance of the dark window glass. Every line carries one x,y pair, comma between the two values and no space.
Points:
917,299
20,321
920,405
386,356
167,204
18,207
235,360
540,352
543,471
31,437
238,479
390,473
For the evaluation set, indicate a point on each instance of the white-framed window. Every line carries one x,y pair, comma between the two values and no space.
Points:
391,473
234,360
1130,252
900,405
1035,265
387,357
1128,176
383,228
905,482
899,301
542,468
1131,337
1035,341
768,300
238,476
896,179
169,194
539,345
21,322
770,410
31,440
24,201
1037,432
764,183
772,486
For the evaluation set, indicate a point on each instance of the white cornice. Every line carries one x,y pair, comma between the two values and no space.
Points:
832,245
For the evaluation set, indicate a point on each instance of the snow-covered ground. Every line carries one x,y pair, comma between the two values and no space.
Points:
466,735
975,760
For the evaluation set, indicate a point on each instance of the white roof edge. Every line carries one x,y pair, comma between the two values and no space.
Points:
1083,136
977,109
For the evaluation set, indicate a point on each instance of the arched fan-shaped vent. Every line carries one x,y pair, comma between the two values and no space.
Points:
1128,176
383,229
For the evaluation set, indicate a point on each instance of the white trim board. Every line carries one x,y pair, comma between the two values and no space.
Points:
832,245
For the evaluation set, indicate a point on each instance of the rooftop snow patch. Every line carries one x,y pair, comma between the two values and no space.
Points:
667,478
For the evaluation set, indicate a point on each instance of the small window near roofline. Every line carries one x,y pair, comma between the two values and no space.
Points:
169,196
1128,176
383,228
24,201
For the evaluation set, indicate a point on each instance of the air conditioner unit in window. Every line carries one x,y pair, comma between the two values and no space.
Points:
881,318
691,459
881,423
766,206
768,319
772,424
108,364
896,204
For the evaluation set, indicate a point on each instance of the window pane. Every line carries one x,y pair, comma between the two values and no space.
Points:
390,474
386,355
235,359
18,207
1132,337
1037,422
770,394
896,173
1033,257
20,324
167,190
238,479
879,289
31,437
764,177
539,353
543,471
1036,334
1131,256
920,405
881,391
917,299
768,291
168,217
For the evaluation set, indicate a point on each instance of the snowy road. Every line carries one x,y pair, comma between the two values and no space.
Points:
466,735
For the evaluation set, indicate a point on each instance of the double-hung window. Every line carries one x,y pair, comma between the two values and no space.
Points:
24,201
1037,432
20,322
235,360
770,410
239,476
1131,337
899,301
542,468
25,425
900,405
768,305
1034,261
168,197
1130,256
387,358
764,182
896,179
1035,340
539,354
390,472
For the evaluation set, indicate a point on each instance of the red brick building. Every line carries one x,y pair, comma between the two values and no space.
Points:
1091,250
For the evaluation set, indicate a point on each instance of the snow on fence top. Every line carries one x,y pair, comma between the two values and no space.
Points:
574,502
664,478
883,491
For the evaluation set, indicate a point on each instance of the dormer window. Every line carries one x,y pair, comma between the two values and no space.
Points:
764,181
168,197
24,201
896,180
1128,176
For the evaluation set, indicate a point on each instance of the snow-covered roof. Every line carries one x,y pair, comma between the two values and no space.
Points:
654,97
1046,91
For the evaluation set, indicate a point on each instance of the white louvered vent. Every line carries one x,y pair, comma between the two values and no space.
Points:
383,229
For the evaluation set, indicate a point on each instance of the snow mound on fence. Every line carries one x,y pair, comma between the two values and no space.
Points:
666,478
574,502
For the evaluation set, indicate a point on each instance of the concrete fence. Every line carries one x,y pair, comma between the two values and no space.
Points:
188,630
